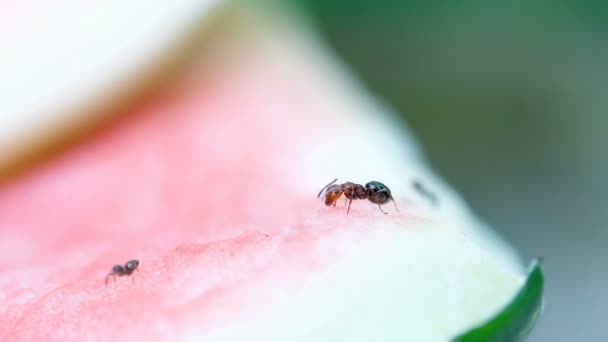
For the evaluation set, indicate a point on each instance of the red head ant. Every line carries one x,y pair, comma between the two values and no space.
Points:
374,191
126,270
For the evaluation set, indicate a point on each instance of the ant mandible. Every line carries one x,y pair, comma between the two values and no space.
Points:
119,270
374,191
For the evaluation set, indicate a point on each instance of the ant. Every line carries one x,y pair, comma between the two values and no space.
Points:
126,270
374,191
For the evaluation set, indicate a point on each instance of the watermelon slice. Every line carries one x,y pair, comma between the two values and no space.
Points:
212,186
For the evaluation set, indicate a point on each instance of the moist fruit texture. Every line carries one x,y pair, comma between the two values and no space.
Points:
212,187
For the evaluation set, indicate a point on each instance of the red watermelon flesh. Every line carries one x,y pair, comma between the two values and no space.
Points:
212,186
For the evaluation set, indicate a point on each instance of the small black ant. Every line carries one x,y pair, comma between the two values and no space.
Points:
125,270
374,191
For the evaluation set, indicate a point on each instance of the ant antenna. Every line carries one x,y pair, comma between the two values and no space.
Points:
379,207
325,187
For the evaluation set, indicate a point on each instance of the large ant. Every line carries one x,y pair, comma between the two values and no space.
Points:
375,192
120,270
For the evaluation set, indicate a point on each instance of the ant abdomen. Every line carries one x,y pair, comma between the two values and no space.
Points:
378,193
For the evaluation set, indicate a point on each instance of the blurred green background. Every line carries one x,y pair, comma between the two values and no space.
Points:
510,101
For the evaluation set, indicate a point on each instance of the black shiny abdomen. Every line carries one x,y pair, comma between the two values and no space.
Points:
377,192
131,266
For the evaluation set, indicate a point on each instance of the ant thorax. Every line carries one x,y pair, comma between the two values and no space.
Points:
354,191
118,269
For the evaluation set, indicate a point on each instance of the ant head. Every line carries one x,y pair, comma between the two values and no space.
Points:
332,194
378,193
118,269
327,186
131,265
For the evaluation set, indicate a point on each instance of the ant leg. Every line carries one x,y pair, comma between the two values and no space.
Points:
379,207
108,276
325,187
348,210
391,198
395,203
345,200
